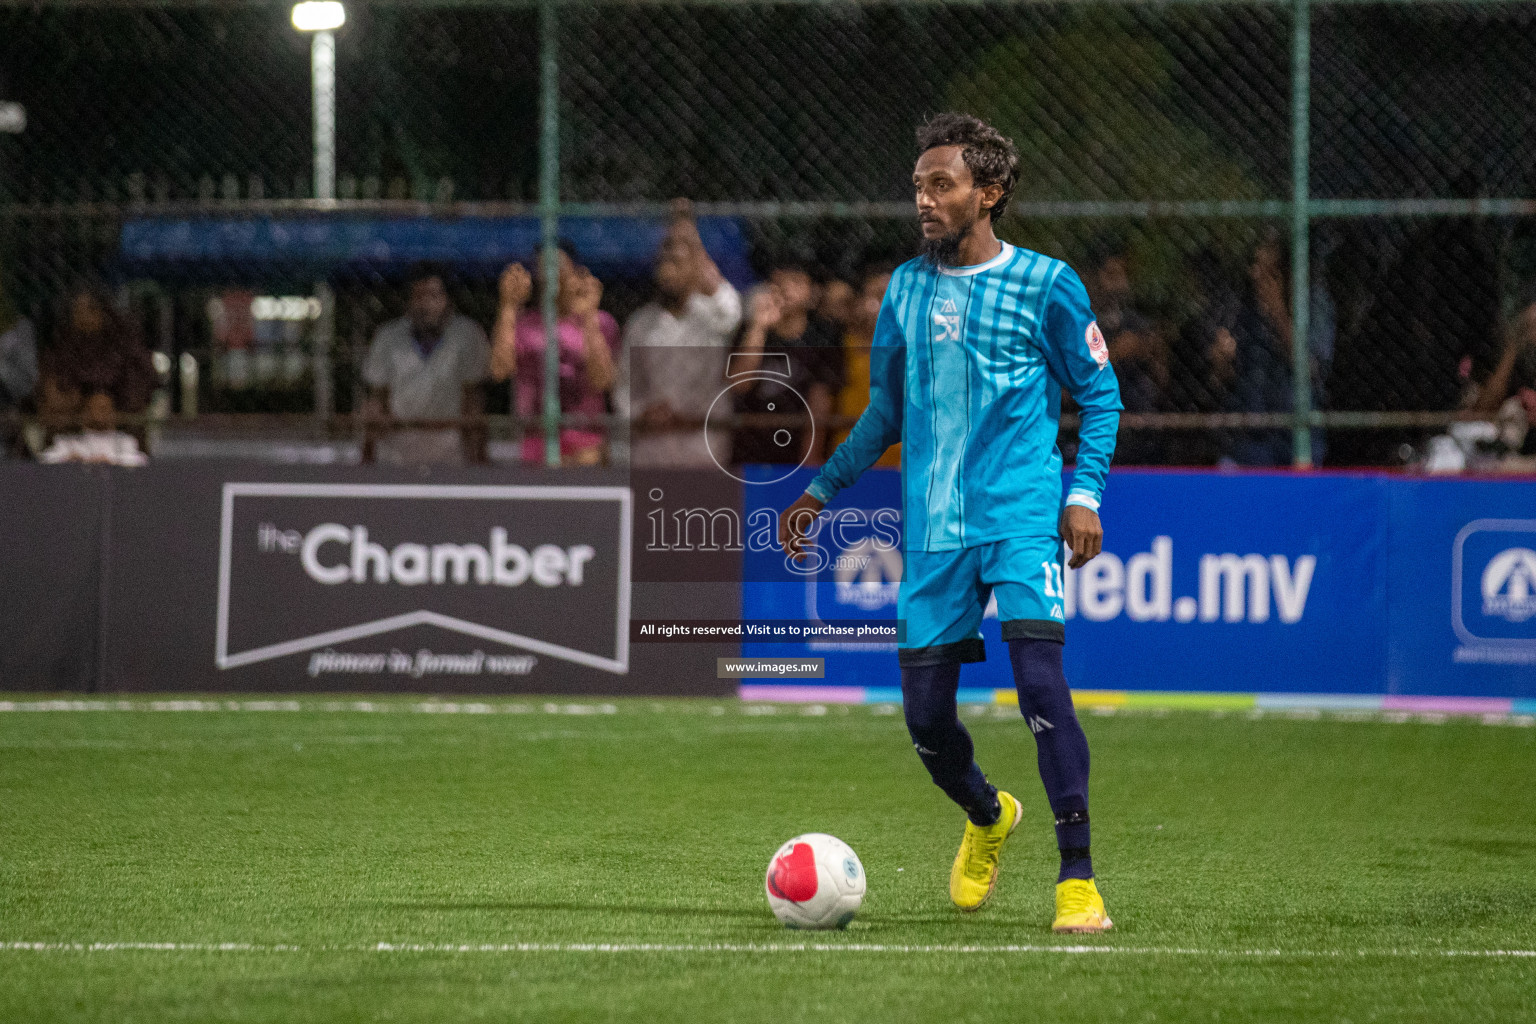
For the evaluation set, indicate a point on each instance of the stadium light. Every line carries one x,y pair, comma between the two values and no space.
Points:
321,17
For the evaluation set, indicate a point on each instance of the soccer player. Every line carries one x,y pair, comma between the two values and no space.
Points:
975,341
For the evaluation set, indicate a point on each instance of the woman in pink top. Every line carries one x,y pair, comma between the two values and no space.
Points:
589,340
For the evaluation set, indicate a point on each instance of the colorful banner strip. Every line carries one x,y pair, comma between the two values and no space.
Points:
784,693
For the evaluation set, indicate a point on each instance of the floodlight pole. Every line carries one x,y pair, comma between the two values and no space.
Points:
549,219
322,73
1301,216
322,76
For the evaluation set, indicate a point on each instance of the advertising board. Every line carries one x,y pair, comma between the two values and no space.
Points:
1254,582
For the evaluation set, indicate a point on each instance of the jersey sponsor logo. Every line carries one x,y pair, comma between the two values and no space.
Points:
948,325
948,306
1097,347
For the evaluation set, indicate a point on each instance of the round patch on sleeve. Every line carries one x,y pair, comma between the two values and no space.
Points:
1097,347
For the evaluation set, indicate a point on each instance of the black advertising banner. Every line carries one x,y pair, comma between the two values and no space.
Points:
52,523
240,577
306,567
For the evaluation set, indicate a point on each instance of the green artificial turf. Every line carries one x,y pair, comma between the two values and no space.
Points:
1256,868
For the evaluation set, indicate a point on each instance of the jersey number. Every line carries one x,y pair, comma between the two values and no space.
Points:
1053,586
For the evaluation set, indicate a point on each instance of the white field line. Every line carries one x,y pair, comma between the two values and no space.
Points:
746,948
429,707
471,707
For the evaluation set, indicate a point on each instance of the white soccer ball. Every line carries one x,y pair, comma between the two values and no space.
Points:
815,881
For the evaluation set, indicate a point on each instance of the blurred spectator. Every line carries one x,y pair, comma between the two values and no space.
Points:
99,441
1137,353
1515,373
796,358
18,373
96,368
1504,441
1260,355
1432,327
837,303
858,338
1201,356
1205,349
674,354
589,341
426,365
1508,398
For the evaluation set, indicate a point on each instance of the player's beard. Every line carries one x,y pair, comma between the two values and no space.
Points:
942,251
945,250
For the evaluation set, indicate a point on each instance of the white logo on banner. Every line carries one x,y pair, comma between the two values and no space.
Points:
1493,591
868,575
1509,585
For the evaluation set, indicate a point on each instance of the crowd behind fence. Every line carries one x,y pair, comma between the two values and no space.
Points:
1162,147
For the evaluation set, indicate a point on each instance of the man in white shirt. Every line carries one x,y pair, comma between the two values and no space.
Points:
99,441
675,350
426,365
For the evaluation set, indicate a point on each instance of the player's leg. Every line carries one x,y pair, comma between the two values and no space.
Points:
1061,747
941,603
942,741
1027,574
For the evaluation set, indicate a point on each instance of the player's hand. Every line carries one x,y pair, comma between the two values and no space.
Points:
795,522
1084,534
515,286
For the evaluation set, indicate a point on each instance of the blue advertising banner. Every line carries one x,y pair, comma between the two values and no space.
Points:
1249,582
1462,588
608,245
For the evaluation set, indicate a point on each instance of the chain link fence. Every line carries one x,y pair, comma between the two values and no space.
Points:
1157,157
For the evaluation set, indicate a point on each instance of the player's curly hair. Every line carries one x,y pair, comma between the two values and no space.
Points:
988,153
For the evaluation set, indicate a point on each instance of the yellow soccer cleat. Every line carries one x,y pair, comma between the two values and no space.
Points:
974,875
1080,908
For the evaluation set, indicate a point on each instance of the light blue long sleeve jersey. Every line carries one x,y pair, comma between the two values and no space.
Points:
966,371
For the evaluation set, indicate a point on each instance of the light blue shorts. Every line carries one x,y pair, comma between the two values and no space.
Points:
945,593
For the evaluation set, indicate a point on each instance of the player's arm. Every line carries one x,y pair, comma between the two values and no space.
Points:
878,427
1078,358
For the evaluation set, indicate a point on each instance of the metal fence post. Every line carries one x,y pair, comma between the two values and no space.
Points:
549,217
1301,214
324,344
